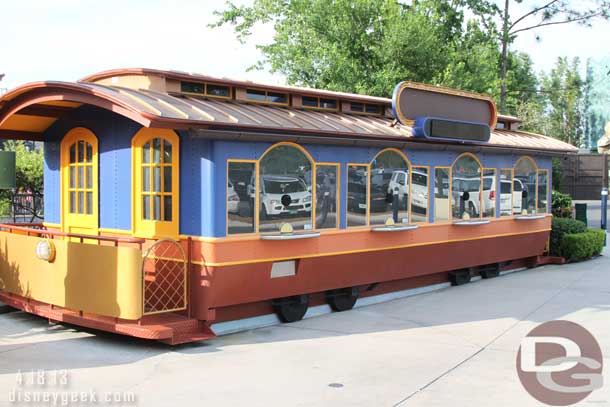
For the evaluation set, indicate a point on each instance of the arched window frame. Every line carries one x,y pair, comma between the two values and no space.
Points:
89,221
154,228
313,180
537,171
409,168
482,167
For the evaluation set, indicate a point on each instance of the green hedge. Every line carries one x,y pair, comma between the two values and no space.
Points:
581,246
561,205
561,227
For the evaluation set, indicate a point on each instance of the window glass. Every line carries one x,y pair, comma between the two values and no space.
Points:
357,107
192,87
327,177
373,109
309,101
466,187
506,192
357,189
240,197
328,103
218,90
419,194
285,189
157,180
277,97
256,94
543,191
441,194
489,193
389,196
524,191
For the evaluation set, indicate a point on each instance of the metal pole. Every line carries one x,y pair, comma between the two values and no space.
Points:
395,203
604,208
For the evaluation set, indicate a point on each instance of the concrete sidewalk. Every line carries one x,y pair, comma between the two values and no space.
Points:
453,347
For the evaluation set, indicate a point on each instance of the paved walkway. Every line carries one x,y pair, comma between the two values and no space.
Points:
452,347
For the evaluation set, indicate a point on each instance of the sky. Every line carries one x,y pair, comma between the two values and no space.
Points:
69,39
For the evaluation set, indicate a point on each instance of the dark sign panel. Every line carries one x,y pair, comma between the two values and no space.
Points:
442,129
413,100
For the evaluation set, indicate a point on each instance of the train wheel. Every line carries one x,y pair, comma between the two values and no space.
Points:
459,277
342,299
493,270
291,309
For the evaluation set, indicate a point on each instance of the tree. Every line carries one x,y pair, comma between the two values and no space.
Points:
362,46
551,12
28,176
563,92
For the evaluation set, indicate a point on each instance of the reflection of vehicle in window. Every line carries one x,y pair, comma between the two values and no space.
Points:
470,185
419,191
518,192
232,199
356,197
380,197
326,195
284,195
400,183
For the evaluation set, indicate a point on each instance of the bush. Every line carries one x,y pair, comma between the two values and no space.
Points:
561,204
559,229
581,246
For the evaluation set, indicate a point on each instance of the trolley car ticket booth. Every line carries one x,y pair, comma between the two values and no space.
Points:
176,203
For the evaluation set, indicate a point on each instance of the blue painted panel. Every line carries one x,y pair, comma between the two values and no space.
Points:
114,134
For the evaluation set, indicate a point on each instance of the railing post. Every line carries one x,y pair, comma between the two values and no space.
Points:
604,214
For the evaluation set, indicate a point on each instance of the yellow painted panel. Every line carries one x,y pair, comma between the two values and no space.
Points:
23,122
61,103
102,280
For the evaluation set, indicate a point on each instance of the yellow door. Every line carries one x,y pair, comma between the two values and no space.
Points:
79,176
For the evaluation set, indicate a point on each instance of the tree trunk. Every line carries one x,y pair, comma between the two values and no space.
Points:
505,39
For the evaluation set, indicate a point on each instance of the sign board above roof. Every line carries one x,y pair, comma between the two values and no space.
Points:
414,100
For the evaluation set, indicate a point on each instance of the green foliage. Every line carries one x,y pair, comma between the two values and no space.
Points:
561,201
368,46
559,229
28,172
581,246
564,95
557,174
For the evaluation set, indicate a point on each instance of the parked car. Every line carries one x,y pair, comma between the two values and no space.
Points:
232,199
470,185
282,196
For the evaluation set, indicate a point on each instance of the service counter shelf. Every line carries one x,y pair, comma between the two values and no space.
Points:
290,236
395,228
471,222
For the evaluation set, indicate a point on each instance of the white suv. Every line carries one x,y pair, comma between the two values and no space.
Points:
283,195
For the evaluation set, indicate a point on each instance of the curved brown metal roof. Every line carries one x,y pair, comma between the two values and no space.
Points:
27,111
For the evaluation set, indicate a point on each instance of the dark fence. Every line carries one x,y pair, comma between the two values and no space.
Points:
584,175
26,207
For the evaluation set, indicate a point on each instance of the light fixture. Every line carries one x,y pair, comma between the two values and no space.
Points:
45,250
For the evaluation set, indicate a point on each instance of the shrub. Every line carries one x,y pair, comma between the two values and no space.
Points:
561,204
561,227
581,246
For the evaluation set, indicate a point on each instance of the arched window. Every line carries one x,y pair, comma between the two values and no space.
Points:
80,182
390,187
285,188
155,169
466,187
524,186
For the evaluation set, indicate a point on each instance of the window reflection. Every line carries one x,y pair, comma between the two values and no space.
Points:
466,187
543,191
285,189
357,188
441,194
419,194
489,193
389,188
524,187
240,197
506,193
326,196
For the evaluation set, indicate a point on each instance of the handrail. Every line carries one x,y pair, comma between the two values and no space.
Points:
40,231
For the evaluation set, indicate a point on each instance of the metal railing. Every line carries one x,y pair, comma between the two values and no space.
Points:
39,230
